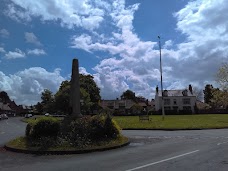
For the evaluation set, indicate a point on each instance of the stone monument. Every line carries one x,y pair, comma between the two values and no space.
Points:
75,90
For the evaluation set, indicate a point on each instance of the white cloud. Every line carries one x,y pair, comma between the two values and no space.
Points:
16,54
31,38
81,13
4,33
16,13
37,52
2,50
131,62
134,63
25,87
82,70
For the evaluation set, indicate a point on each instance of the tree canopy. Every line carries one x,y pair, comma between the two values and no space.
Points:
60,102
222,76
128,94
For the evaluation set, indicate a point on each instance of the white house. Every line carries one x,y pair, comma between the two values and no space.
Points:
176,100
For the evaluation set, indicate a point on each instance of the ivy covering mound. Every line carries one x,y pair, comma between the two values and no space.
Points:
48,133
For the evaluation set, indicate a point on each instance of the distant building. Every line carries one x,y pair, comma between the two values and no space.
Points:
5,109
123,106
176,101
117,104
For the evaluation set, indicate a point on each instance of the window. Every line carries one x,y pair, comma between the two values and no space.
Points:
175,108
187,108
186,101
174,101
122,104
167,108
166,101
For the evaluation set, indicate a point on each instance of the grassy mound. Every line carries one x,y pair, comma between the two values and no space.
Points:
86,133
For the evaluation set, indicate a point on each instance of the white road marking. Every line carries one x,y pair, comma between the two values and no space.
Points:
171,158
222,143
2,132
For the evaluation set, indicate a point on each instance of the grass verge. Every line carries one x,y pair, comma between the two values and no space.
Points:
211,121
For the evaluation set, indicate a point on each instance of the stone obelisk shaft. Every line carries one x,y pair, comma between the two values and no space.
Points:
75,90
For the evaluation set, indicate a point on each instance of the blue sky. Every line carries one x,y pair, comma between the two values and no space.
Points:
115,41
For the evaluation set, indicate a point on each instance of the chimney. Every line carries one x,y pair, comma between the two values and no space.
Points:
190,88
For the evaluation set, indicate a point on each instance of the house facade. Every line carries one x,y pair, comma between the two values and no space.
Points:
123,106
176,101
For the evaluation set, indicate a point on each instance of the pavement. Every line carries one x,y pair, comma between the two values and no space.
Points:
149,150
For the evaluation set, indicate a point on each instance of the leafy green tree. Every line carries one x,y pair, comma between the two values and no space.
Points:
128,95
208,93
39,108
47,101
89,85
222,76
62,97
4,97
89,94
219,99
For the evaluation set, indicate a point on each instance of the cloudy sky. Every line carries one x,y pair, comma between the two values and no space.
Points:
114,40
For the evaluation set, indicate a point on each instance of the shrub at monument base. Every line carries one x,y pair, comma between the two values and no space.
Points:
91,130
42,132
48,132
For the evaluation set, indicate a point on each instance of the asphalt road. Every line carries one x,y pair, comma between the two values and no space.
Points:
203,150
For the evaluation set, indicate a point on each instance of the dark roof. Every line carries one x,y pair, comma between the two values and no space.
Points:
176,93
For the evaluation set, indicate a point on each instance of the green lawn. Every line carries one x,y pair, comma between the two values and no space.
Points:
174,122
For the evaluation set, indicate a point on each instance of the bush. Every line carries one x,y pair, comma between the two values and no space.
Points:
104,127
91,130
43,127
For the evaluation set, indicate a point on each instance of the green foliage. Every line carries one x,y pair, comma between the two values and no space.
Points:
104,127
62,98
89,94
47,101
87,82
219,99
90,130
44,127
222,76
208,93
4,97
129,95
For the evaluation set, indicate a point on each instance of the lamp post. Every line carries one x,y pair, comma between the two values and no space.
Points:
162,101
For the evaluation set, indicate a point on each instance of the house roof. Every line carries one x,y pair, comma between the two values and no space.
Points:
176,93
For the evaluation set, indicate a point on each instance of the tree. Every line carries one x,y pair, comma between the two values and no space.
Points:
128,95
90,86
62,97
4,97
39,108
222,76
208,93
198,93
47,101
219,99
89,94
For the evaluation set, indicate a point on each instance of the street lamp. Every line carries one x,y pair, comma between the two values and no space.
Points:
162,101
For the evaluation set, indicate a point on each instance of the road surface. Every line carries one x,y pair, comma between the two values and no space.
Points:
203,150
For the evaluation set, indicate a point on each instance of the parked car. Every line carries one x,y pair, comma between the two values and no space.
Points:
46,114
4,116
28,115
